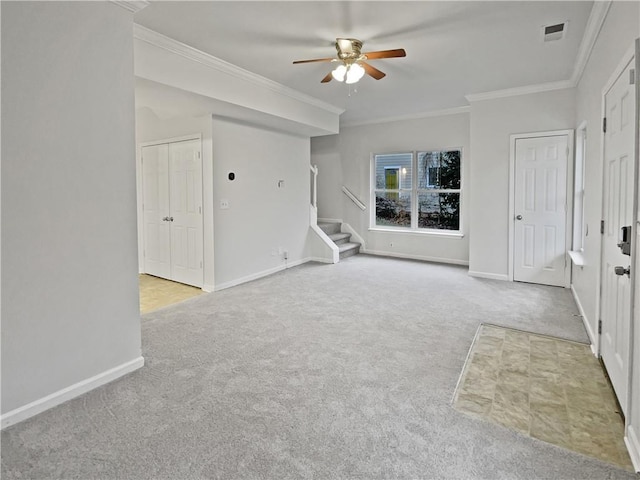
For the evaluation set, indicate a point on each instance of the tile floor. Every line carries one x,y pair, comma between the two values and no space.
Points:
157,292
550,389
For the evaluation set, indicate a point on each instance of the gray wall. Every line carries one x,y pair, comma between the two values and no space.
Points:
69,272
345,159
492,123
262,218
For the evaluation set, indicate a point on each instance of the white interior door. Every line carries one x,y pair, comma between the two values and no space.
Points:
540,198
618,212
155,208
186,212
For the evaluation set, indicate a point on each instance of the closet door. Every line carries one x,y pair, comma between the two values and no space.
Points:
156,212
185,167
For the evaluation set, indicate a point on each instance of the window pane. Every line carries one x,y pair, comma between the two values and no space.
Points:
393,209
439,170
393,171
439,210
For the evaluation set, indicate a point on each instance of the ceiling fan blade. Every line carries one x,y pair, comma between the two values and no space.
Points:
327,79
373,71
314,60
398,52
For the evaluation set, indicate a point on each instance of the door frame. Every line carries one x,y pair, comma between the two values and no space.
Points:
140,192
627,57
569,193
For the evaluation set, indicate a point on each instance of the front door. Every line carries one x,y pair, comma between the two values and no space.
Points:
540,198
618,189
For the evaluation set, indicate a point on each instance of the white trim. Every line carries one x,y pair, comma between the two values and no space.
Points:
157,39
412,116
208,288
335,251
594,24
264,273
568,188
577,258
590,333
452,261
45,403
424,231
516,91
132,6
182,138
490,276
633,446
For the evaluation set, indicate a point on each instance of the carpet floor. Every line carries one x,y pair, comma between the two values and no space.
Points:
342,371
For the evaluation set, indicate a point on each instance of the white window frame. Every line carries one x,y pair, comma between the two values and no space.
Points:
414,229
579,232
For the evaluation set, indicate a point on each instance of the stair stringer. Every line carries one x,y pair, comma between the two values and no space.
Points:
330,252
346,228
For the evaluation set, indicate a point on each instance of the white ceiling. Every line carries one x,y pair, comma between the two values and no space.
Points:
454,48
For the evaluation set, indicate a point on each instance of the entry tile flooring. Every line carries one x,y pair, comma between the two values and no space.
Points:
547,388
157,292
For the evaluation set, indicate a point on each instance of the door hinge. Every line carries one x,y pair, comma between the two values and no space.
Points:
604,125
200,263
632,76
601,227
599,327
200,210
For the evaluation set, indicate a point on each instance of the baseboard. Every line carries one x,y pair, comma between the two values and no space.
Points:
491,276
208,288
264,273
591,334
320,260
633,446
66,394
423,258
329,220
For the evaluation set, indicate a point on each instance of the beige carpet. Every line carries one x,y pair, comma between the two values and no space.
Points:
544,387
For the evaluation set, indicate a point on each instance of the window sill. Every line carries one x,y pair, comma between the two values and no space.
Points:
577,258
432,233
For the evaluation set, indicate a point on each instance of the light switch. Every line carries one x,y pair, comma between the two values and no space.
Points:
224,203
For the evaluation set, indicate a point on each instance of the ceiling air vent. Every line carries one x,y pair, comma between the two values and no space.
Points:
554,32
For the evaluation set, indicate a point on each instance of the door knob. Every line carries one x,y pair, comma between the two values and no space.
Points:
622,271
165,219
518,217
170,219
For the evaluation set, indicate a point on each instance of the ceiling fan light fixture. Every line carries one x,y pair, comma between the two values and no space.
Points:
354,73
339,72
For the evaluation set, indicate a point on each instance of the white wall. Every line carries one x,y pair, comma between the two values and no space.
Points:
345,160
262,218
70,309
150,128
620,29
492,123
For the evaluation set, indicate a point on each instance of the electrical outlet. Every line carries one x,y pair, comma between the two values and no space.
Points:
285,255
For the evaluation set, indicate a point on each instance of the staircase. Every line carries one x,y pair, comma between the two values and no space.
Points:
346,247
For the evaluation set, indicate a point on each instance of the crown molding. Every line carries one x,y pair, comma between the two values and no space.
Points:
413,116
526,90
162,41
594,24
132,6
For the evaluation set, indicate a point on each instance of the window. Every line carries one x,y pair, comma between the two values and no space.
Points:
430,200
579,231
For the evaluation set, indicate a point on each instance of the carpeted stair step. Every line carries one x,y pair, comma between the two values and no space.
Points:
329,228
348,249
340,238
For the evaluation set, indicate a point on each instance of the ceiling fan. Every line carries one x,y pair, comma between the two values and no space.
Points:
351,61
